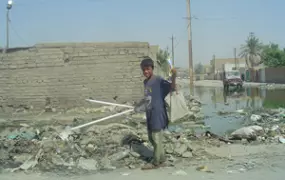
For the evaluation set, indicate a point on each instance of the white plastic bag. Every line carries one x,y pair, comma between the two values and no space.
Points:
178,106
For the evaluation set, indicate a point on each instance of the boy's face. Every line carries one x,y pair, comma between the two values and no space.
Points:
147,71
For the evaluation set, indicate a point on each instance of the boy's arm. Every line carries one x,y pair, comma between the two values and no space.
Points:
169,86
173,79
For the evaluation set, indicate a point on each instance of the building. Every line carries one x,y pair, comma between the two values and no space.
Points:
218,66
219,63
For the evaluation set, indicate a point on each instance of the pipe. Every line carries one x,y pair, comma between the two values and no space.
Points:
102,119
108,103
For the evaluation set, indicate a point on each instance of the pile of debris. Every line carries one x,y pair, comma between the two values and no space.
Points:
262,125
99,147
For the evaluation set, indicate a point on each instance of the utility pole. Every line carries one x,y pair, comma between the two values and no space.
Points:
214,66
9,7
235,55
190,44
7,29
172,48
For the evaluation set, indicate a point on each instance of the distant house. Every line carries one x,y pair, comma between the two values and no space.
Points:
207,69
218,64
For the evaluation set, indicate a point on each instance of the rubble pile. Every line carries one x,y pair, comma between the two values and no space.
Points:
263,125
99,147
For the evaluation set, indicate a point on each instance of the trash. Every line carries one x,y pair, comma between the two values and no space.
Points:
274,128
23,135
241,111
125,173
178,106
247,132
204,169
281,139
179,173
65,134
255,117
101,147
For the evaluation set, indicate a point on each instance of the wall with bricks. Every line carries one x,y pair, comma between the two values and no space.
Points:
65,74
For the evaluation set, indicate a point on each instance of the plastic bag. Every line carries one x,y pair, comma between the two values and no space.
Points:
177,106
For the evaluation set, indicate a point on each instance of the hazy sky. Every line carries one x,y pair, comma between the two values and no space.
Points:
221,25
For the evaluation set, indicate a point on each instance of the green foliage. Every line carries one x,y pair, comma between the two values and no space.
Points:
199,68
273,56
162,57
251,50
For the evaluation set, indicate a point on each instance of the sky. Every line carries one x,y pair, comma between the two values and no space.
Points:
218,26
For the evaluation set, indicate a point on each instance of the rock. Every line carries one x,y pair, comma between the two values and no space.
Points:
275,120
248,132
57,160
135,154
90,148
195,109
180,149
120,155
274,128
106,164
87,164
255,117
22,157
187,154
199,116
169,148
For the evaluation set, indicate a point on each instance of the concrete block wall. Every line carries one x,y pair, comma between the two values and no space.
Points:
65,74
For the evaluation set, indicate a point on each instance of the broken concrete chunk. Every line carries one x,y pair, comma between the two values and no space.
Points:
248,132
120,155
180,149
255,117
87,164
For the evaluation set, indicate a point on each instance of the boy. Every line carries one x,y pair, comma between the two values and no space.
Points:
155,90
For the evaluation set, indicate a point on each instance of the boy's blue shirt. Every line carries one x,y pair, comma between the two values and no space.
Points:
156,89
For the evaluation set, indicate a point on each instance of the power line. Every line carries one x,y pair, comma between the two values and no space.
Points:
17,34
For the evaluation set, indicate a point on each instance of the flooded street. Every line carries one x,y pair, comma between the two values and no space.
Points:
220,109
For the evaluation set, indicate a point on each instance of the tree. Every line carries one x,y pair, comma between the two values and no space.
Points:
252,50
199,68
162,57
273,56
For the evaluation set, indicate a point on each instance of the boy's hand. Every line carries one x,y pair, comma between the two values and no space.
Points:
173,72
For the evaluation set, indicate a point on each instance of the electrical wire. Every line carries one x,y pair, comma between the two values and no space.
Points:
17,34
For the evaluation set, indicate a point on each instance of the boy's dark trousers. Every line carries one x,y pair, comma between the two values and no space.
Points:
156,139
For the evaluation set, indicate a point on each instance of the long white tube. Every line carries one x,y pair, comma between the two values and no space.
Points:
108,103
102,119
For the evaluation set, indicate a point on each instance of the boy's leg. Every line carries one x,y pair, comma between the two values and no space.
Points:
149,133
159,137
159,154
156,139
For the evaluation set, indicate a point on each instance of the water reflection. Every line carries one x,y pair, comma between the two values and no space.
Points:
216,99
245,97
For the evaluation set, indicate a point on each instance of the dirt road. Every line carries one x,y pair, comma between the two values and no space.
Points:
236,162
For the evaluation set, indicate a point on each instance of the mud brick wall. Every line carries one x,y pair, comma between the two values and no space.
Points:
275,75
65,74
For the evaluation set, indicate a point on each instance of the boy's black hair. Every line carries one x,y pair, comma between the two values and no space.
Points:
146,62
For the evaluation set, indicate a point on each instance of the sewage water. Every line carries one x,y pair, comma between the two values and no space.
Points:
216,100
